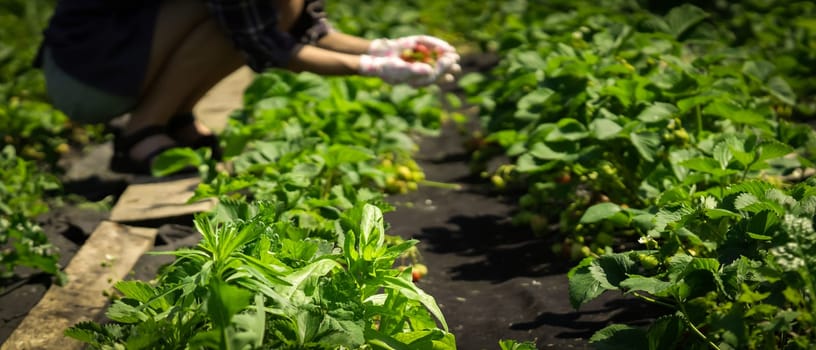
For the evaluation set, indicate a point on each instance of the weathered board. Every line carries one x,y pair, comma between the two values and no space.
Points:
156,200
107,256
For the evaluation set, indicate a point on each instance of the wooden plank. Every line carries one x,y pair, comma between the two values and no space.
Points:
165,199
107,256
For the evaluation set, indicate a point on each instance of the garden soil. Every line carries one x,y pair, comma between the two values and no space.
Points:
491,279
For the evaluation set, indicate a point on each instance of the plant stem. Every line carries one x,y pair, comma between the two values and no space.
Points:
438,184
653,300
695,329
699,123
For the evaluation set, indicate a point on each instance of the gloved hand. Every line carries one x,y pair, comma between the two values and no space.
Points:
394,70
396,47
393,47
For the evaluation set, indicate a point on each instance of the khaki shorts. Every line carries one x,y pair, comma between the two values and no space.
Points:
81,102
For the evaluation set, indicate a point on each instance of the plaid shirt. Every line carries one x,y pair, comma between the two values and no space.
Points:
251,24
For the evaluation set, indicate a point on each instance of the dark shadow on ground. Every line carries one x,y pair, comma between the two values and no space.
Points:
505,251
583,324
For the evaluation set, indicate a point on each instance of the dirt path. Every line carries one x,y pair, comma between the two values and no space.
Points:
492,280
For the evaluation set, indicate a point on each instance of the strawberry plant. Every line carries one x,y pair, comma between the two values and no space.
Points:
255,281
638,103
22,241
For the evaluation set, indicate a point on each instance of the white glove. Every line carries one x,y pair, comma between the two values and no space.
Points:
399,47
394,47
394,70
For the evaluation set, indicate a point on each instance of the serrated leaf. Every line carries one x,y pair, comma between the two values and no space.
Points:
649,285
744,200
412,292
430,339
87,331
647,143
722,153
510,344
137,290
122,312
619,337
372,229
763,223
610,270
772,149
701,264
666,332
583,287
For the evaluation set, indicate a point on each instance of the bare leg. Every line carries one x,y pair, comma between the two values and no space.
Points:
189,55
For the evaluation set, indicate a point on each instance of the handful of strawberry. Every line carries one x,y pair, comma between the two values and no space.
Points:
422,53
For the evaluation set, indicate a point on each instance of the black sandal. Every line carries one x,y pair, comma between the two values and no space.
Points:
180,121
121,162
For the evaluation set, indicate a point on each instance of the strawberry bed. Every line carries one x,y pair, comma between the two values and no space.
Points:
487,275
653,150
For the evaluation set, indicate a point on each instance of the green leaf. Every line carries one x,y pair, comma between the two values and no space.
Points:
728,110
251,326
372,229
611,269
430,339
121,311
722,153
300,278
225,301
604,129
780,89
530,106
592,277
412,292
599,212
666,332
718,213
88,332
541,150
568,130
583,287
705,165
682,18
138,290
772,149
343,154
175,160
510,344
647,143
758,70
657,112
619,337
649,285
745,200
